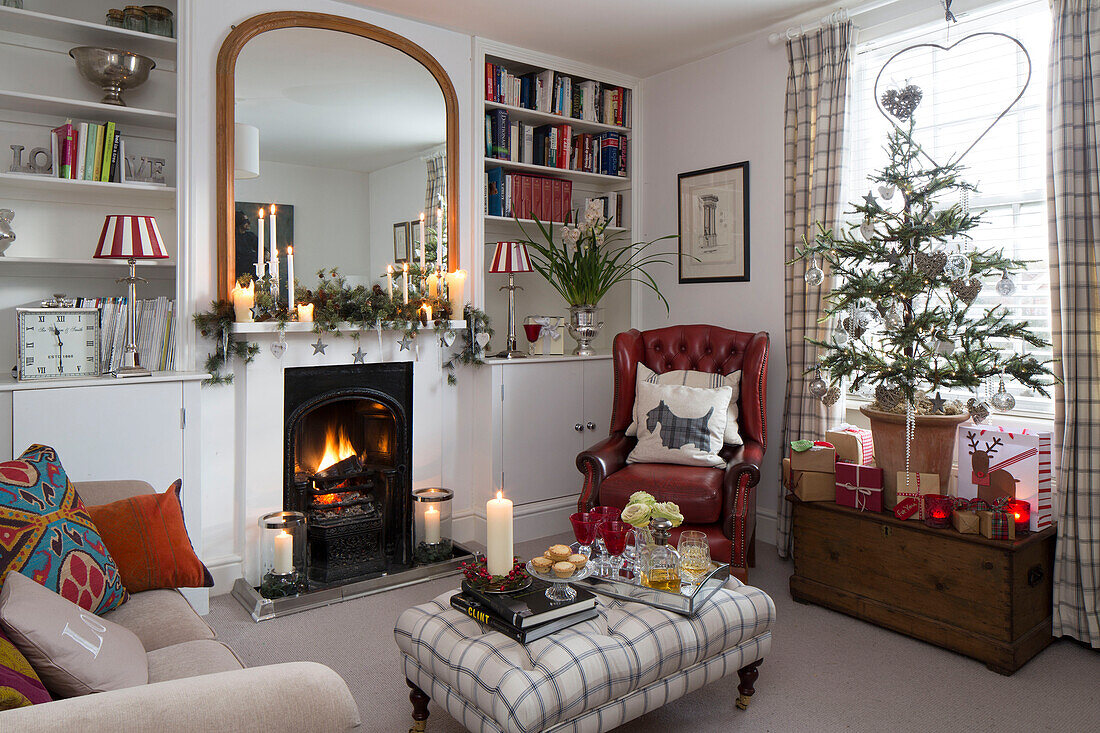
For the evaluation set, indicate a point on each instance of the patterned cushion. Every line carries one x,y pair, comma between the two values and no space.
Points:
689,378
46,534
682,425
19,685
599,664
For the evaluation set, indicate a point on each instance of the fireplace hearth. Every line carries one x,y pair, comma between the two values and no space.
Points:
347,465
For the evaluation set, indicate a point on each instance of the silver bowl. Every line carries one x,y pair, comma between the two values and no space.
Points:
112,70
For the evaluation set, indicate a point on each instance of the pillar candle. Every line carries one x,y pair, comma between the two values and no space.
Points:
305,312
290,276
456,283
431,525
439,238
389,280
260,243
433,285
284,553
428,313
243,300
498,539
405,281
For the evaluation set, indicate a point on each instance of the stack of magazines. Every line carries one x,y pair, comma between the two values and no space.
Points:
154,331
524,615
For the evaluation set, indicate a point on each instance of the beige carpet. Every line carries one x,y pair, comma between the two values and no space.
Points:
826,672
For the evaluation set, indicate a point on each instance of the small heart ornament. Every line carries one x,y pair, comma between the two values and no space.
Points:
886,397
448,338
830,398
966,290
929,265
886,192
902,103
867,229
482,339
278,348
979,411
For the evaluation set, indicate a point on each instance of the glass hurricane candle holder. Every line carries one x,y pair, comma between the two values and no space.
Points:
1021,514
937,511
432,525
282,554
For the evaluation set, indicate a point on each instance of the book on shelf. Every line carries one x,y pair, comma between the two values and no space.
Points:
554,146
483,615
154,328
528,197
530,606
554,93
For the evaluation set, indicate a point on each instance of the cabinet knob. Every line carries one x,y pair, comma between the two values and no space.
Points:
591,425
578,427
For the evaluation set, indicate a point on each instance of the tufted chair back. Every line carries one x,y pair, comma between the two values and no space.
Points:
700,348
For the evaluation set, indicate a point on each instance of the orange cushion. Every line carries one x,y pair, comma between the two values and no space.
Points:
146,536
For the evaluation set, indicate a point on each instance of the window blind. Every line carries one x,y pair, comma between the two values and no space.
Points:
963,92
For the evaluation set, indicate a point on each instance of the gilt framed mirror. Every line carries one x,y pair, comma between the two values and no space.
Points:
345,125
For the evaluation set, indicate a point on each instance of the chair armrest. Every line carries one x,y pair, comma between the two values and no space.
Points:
599,462
293,697
739,498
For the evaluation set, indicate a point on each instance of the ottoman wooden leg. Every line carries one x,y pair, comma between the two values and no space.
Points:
748,675
420,708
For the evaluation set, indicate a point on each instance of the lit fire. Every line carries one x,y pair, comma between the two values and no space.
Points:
337,447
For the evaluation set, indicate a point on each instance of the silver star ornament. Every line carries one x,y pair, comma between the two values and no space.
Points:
405,342
319,346
358,355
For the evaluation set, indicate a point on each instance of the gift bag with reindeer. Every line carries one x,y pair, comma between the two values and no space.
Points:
996,463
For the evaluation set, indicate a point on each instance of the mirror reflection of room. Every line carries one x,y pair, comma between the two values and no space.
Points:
345,138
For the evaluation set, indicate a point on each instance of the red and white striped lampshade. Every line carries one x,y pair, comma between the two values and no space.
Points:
126,237
511,257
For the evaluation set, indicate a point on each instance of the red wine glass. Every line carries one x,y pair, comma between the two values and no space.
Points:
614,532
584,529
602,513
533,331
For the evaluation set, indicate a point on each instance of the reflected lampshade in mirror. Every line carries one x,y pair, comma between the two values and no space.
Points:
246,151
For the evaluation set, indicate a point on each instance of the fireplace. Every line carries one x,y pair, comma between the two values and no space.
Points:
348,454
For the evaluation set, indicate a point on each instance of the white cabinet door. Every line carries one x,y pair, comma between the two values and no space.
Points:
542,405
599,387
106,432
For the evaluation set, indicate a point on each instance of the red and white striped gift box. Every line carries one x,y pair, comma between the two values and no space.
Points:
995,463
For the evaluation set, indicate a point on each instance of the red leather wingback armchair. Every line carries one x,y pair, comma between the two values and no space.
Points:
720,502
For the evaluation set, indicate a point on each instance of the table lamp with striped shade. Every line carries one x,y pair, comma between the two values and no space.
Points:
511,257
131,238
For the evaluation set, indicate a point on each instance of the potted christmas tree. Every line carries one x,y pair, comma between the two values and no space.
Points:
900,300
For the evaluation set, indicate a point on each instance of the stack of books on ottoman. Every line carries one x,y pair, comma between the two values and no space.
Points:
525,615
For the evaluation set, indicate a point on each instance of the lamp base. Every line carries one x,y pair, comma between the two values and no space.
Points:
510,354
131,371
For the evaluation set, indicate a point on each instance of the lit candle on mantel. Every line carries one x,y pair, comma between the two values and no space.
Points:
243,300
427,313
432,285
260,243
456,282
273,258
284,553
439,239
431,525
290,276
405,281
305,312
423,242
499,556
389,281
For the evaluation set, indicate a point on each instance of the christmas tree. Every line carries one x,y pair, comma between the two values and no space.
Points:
902,291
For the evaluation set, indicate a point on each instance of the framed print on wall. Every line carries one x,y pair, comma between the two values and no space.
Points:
714,224
401,242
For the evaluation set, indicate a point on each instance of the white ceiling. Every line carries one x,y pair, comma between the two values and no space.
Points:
335,100
636,37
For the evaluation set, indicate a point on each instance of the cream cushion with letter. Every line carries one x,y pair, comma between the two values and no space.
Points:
680,424
73,651
689,378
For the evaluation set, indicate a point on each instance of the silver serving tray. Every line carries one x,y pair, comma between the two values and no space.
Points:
627,589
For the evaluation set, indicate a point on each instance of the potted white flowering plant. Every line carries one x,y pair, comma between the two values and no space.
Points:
588,263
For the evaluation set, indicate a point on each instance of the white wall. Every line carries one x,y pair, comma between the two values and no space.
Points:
396,195
331,223
204,28
725,109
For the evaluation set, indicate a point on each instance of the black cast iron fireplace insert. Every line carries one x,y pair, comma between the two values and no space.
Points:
347,466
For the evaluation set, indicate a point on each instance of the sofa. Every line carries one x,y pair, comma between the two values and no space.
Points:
196,683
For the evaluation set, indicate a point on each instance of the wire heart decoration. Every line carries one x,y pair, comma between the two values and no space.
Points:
902,93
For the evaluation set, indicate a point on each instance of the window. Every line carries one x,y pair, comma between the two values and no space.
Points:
963,91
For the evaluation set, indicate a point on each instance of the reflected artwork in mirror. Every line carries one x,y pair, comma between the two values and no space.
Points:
356,130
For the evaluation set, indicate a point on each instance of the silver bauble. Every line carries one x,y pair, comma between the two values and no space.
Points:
818,387
840,337
945,347
1005,286
814,276
957,267
1002,400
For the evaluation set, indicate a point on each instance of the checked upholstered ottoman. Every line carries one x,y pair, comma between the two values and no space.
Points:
591,677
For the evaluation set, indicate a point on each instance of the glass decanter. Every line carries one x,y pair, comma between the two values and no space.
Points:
661,563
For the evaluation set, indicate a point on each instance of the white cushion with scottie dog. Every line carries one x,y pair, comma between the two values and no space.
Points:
591,677
680,424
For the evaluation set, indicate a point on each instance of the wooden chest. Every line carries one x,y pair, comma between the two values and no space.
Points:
987,599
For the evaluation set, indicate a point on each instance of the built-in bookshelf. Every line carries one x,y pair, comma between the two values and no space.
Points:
58,220
551,119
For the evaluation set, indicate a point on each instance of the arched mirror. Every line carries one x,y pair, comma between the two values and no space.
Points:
349,133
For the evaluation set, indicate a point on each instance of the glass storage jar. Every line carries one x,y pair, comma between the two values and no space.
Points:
282,554
159,20
135,19
116,18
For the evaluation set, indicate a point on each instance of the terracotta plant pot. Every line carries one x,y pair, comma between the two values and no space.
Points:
933,445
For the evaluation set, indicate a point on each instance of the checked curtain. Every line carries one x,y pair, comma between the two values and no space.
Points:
1073,197
817,94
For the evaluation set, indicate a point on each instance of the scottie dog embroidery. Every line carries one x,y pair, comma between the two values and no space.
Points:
676,431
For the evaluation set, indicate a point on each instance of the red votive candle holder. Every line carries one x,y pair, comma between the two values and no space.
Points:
937,511
1021,514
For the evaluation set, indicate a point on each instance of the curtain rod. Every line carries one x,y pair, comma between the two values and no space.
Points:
836,17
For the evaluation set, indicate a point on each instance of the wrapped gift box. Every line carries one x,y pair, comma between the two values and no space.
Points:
809,485
820,457
853,445
996,525
557,341
859,486
919,485
965,521
995,463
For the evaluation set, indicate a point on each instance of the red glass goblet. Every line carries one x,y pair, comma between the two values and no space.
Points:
584,529
602,513
614,533
533,331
